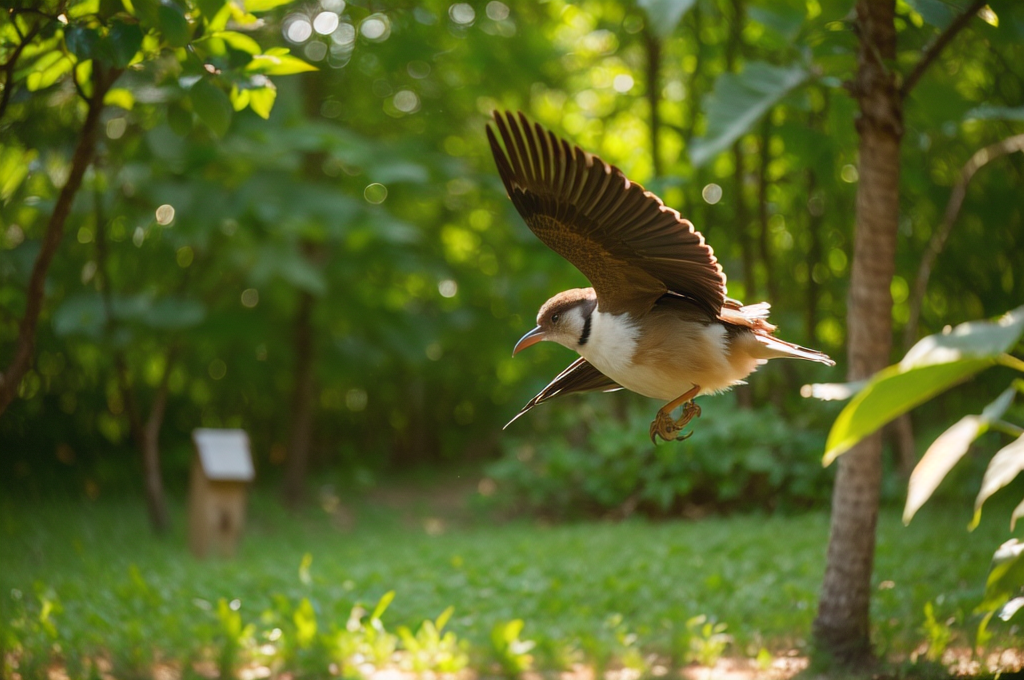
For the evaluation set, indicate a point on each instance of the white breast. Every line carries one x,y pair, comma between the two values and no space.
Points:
683,354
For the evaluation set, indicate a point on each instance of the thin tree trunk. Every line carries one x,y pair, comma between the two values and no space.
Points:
156,502
302,404
842,626
86,147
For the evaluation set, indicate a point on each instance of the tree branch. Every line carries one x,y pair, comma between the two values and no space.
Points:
938,241
936,47
82,158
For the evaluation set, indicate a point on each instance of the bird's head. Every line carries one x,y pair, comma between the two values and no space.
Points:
564,319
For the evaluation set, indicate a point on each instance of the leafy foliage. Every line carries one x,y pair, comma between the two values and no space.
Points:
737,458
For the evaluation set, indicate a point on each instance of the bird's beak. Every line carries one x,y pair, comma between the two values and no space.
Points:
531,338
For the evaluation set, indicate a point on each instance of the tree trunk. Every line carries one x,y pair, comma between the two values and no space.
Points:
842,626
653,46
84,150
156,503
302,405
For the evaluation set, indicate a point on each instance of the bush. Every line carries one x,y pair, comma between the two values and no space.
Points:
588,460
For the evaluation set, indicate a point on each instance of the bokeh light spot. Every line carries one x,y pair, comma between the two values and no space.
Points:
462,13
297,28
497,11
325,23
712,193
376,27
623,83
250,297
406,101
165,214
375,193
447,288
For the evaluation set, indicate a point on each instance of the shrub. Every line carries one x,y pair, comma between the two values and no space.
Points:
587,460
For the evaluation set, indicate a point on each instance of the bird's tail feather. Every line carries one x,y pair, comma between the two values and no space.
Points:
774,348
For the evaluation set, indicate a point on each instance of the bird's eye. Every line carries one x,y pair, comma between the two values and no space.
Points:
554,318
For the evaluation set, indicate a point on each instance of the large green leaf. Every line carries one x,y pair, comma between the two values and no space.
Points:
664,15
739,100
932,366
947,450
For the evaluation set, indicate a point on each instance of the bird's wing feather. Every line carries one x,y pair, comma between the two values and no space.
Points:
580,376
630,246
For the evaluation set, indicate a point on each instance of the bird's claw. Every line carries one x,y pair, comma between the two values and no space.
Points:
665,426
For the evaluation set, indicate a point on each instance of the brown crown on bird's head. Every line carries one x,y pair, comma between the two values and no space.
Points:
567,299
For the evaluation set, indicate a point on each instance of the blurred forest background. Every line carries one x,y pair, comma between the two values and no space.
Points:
343,276
284,217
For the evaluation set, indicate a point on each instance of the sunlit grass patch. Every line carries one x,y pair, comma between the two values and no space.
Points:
307,593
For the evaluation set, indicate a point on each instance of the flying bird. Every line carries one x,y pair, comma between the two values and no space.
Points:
656,320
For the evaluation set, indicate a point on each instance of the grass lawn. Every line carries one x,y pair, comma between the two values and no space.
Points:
87,579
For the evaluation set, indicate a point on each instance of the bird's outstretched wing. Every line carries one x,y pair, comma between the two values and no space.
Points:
630,246
580,376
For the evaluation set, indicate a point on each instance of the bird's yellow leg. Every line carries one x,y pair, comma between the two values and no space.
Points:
665,426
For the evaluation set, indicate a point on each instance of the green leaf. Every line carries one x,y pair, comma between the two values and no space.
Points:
239,98
786,19
947,450
932,366
210,8
264,5
1005,577
120,97
664,15
148,12
238,41
382,605
261,100
80,315
277,65
1002,469
123,43
442,619
305,623
57,68
938,13
179,120
212,106
738,100
169,314
990,112
82,42
14,165
173,25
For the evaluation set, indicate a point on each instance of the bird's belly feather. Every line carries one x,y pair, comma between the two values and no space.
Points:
667,363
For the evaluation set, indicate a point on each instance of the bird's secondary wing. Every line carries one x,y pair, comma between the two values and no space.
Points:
630,246
580,376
